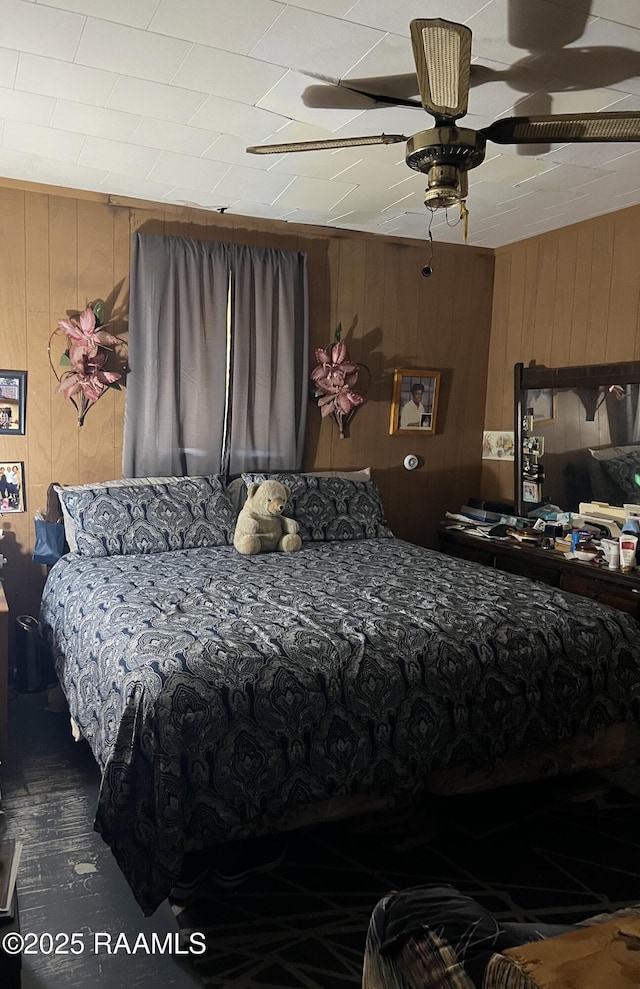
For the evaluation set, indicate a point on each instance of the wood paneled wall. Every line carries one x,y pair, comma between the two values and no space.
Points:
60,250
566,297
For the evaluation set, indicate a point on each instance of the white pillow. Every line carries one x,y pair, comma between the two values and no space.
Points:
349,475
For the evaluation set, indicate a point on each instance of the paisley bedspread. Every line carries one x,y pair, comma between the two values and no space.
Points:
218,691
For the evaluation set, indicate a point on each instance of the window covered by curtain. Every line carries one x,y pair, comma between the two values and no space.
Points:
218,347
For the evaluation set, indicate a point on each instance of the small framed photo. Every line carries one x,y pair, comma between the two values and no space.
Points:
540,404
414,405
533,445
13,389
498,444
531,492
11,488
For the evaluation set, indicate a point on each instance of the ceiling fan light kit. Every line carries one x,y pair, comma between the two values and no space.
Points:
446,152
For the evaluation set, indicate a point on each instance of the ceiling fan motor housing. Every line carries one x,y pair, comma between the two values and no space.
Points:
444,154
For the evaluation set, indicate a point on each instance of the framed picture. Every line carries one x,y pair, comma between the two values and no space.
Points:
414,405
498,444
11,487
540,404
531,492
13,388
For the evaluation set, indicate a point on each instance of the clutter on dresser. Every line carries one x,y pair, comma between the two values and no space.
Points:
592,540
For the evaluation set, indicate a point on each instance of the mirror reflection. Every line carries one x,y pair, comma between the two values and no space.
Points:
591,444
580,441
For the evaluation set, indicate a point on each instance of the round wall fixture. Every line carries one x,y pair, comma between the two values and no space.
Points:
411,461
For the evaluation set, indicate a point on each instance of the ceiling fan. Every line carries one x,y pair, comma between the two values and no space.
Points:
446,152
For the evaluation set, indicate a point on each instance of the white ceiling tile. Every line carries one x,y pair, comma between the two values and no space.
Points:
628,163
512,169
316,194
287,98
65,80
249,122
167,136
97,121
235,27
44,142
116,156
371,170
15,164
8,66
348,164
594,155
247,183
184,196
27,107
154,99
243,207
624,11
392,56
581,102
236,77
129,51
66,174
127,185
396,16
137,14
29,27
179,80
382,119
365,198
311,42
196,173
566,177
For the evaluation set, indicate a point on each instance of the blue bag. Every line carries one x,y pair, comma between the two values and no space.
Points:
50,542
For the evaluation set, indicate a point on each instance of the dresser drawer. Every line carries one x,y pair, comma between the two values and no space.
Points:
528,566
623,598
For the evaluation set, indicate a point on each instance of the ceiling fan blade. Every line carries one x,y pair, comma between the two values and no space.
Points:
342,97
442,53
339,94
338,142
565,128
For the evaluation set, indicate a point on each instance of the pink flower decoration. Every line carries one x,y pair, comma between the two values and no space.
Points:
85,380
334,377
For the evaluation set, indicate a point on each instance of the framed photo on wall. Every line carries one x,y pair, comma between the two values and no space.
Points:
542,404
13,390
414,404
11,487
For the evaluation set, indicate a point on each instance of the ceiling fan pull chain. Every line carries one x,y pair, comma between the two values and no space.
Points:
464,219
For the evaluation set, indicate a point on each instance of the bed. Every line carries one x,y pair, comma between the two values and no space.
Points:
225,696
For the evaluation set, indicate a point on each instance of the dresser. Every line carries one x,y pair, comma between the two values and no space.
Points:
610,587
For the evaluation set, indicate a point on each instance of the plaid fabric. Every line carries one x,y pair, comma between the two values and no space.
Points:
425,960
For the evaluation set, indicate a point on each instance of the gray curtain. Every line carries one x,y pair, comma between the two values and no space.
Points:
269,386
214,326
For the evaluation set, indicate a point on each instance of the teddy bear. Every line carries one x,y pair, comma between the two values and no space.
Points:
261,527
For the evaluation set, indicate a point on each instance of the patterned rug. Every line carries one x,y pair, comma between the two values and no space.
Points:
551,851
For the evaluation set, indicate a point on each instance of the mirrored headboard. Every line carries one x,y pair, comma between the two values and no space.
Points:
577,435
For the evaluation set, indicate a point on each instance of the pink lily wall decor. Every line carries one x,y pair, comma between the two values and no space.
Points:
334,377
89,348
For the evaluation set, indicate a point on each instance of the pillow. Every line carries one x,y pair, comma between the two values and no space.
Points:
69,527
623,471
603,487
151,517
238,490
331,508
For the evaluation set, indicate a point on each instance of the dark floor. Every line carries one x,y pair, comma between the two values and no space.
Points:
68,880
557,851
